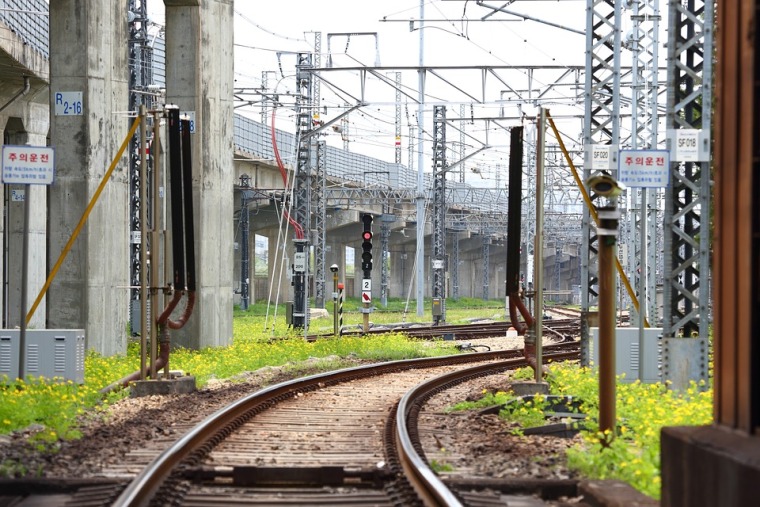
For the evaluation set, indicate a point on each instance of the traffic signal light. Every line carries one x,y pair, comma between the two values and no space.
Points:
367,242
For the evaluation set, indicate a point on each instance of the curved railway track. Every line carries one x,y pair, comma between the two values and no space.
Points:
338,438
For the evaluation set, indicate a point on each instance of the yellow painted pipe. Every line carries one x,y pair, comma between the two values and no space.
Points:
592,210
82,220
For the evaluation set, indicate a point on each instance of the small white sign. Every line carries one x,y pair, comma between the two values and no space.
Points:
136,237
18,195
601,157
366,284
366,297
28,165
190,115
437,263
687,145
299,262
68,104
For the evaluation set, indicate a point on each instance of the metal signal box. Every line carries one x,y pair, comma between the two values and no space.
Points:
50,353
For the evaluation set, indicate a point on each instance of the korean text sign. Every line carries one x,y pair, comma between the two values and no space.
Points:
28,165
644,168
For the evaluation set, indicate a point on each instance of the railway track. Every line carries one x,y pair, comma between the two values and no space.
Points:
331,439
562,329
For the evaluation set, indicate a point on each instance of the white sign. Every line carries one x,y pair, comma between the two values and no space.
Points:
644,168
68,104
136,237
190,115
299,262
437,263
28,165
601,157
366,297
366,284
687,145
18,195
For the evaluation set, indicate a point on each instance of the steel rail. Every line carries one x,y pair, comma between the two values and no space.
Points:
425,481
198,441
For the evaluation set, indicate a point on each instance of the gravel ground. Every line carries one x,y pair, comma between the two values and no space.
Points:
471,441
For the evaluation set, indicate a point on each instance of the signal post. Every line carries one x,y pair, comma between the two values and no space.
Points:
366,269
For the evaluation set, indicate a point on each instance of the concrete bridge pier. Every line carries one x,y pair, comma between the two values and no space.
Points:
90,290
199,79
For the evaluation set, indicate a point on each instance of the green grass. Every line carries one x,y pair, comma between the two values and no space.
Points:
641,410
259,340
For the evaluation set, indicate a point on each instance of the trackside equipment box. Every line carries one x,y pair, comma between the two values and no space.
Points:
49,353
628,357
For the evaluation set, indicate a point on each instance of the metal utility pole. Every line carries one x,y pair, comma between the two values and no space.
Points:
245,264
420,252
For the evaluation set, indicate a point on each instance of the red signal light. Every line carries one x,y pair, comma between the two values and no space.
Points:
366,235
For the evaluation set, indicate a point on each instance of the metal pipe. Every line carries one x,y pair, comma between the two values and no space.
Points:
607,337
143,243
607,230
83,219
155,242
18,95
161,361
538,248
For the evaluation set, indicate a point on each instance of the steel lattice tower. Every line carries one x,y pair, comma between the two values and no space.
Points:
318,191
643,41
320,224
601,125
140,76
439,205
302,191
687,201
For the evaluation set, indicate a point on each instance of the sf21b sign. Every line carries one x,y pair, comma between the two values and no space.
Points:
644,168
28,165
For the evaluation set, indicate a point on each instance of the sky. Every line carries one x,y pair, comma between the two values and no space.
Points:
456,32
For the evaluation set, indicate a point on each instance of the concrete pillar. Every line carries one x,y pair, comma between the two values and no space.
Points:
89,291
199,79
401,279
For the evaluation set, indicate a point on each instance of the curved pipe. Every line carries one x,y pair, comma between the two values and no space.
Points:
161,361
515,304
164,324
169,309
21,93
178,324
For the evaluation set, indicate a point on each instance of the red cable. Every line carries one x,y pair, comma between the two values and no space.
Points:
296,226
